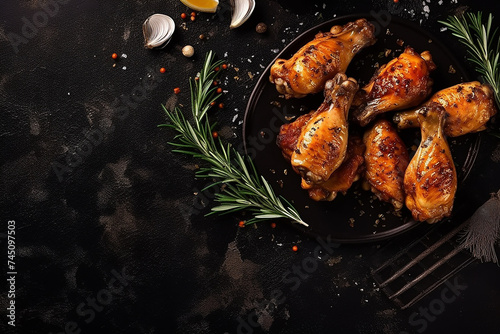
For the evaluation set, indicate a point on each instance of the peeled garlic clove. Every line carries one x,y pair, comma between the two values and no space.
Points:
242,9
158,30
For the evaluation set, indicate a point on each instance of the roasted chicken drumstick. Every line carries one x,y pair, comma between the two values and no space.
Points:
468,107
402,83
321,59
431,180
322,143
342,178
386,160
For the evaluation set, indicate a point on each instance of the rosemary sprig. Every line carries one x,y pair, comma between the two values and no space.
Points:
482,43
244,188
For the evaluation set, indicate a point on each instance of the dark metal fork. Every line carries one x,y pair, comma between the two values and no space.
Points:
423,265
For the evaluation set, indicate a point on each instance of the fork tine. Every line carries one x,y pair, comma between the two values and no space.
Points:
421,255
471,158
437,283
417,279
397,255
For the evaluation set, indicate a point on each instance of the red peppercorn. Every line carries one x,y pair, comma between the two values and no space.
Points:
163,70
183,16
212,103
215,83
193,18
196,78
221,105
224,66
396,1
295,248
219,90
273,225
241,224
177,90
216,69
215,134
114,56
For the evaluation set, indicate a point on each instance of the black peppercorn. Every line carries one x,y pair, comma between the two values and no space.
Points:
261,28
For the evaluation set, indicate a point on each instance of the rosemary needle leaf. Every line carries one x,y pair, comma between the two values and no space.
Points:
268,216
225,207
244,188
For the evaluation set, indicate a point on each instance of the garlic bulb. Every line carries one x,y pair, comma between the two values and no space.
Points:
158,30
242,9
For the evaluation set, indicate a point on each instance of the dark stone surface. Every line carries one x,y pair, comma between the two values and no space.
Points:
110,220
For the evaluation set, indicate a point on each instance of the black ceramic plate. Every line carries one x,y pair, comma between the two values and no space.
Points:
356,216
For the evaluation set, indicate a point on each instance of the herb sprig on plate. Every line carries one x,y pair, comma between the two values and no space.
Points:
482,43
242,186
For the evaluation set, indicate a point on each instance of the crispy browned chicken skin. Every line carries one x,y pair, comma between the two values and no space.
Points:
386,160
431,179
289,135
321,59
322,143
343,177
402,83
468,108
